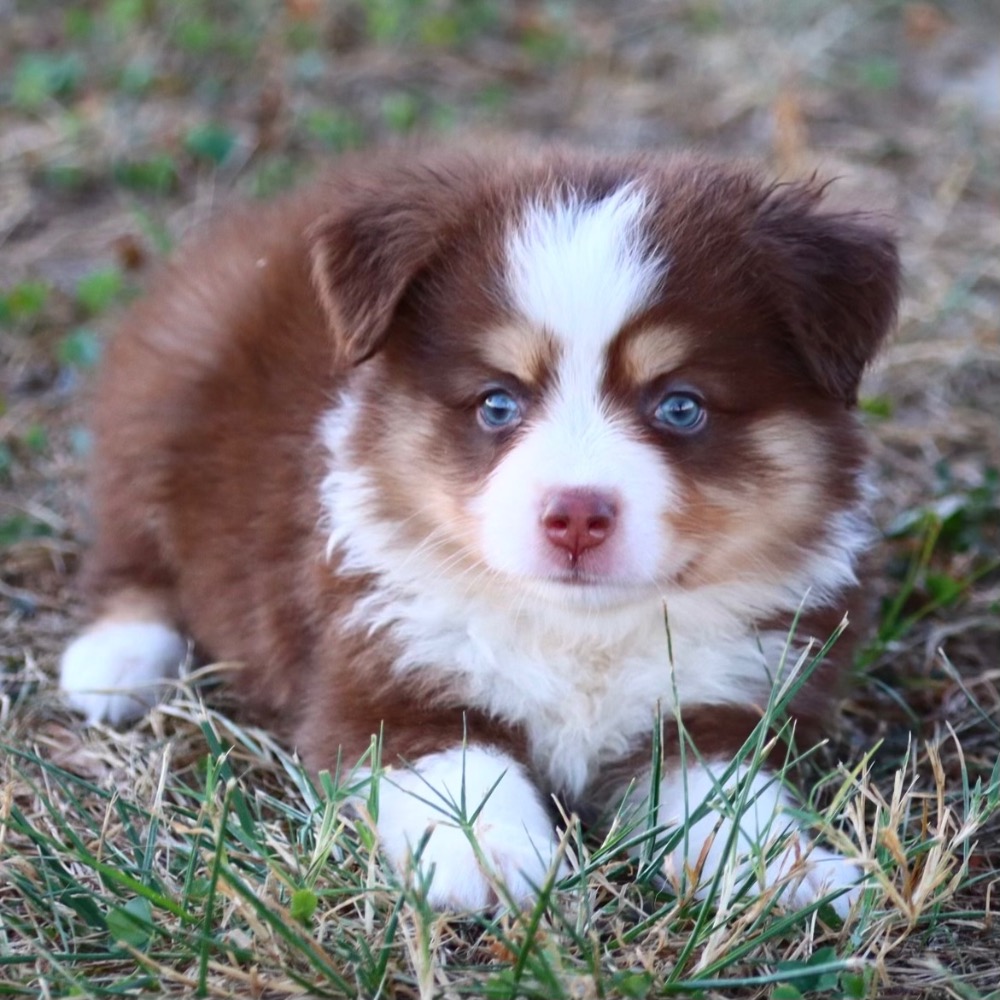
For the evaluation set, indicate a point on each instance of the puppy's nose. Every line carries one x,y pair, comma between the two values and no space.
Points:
578,520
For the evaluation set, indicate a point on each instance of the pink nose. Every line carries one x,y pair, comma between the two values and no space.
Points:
579,520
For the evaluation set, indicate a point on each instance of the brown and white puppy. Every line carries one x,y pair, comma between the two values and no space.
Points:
434,448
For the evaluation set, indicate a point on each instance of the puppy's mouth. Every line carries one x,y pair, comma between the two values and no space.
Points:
589,569
597,569
599,588
578,576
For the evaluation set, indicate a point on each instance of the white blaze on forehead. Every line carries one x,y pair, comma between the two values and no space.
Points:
580,269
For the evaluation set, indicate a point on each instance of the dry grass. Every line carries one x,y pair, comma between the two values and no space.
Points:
187,855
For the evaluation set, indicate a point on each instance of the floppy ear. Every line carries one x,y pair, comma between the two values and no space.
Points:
836,278
364,256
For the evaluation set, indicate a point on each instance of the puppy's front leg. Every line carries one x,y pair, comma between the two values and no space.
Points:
746,818
466,818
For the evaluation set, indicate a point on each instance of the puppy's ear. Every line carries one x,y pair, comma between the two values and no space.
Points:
836,279
364,256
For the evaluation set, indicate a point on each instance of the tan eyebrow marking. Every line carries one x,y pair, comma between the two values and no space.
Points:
527,353
652,351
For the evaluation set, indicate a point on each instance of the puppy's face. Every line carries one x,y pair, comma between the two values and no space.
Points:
592,388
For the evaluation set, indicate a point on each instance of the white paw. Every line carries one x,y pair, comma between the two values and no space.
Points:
810,872
114,671
801,872
512,831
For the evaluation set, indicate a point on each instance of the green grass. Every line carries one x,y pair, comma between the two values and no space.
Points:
201,860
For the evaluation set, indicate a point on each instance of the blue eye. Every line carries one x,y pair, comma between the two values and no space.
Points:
681,410
499,409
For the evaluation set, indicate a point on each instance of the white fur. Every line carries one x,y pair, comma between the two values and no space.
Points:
804,872
576,445
578,269
114,672
513,835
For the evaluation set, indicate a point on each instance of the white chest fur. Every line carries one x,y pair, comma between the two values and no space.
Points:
585,684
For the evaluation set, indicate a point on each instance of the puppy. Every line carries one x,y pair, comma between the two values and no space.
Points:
501,456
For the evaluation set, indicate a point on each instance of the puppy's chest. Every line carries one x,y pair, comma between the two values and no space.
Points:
584,688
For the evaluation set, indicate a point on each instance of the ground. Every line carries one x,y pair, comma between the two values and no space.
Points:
125,122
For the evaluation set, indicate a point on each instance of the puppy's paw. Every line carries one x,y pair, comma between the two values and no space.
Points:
114,672
430,837
463,876
800,873
809,872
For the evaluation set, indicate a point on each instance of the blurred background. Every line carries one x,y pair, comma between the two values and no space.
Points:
125,122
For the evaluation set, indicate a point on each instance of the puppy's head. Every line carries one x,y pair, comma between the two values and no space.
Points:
601,378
